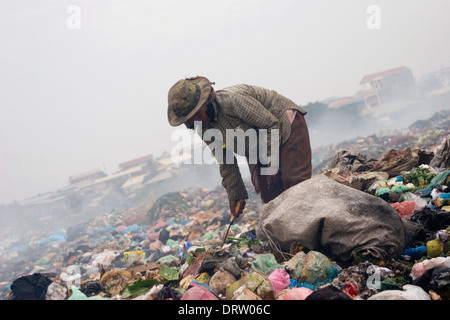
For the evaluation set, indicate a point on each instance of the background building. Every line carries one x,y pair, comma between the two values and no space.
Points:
386,86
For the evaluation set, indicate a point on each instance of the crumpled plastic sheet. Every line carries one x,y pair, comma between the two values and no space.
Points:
409,292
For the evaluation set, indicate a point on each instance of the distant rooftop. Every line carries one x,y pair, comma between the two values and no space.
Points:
132,163
86,173
119,174
372,76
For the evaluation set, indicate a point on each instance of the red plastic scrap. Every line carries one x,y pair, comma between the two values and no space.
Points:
351,289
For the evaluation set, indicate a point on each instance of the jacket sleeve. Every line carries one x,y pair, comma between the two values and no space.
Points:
231,175
232,180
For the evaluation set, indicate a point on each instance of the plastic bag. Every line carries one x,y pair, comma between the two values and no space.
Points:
243,293
198,293
167,260
439,200
409,292
421,203
132,256
441,178
257,282
296,294
280,280
266,263
104,258
78,295
419,268
56,291
405,208
434,248
315,267
415,253
437,280
399,189
329,292
31,287
221,280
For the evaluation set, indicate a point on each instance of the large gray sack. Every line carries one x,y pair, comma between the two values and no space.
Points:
339,221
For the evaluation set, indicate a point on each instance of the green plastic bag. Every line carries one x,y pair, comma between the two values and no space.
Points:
255,281
207,236
382,191
168,259
78,295
399,189
171,243
441,178
315,267
138,288
266,263
169,273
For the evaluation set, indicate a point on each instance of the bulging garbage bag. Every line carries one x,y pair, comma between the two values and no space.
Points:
280,280
296,294
221,280
266,262
409,292
243,293
337,220
257,282
437,280
30,287
404,208
420,268
434,248
198,293
315,267
329,292
104,258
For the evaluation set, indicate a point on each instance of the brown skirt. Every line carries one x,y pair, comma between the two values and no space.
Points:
295,162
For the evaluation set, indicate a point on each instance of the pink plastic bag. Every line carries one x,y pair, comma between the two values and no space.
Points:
280,280
296,294
153,236
198,293
404,208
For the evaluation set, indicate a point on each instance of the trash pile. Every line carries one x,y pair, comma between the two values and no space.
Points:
422,134
363,229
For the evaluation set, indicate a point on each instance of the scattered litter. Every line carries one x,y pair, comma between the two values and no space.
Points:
368,228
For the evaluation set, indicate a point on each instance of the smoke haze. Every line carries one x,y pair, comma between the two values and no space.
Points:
84,83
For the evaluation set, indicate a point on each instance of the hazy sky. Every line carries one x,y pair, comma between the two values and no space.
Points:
85,87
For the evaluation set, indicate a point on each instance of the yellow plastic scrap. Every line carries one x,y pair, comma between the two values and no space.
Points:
295,248
203,277
132,256
184,283
442,202
434,248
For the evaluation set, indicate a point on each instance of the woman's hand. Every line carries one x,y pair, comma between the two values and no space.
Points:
236,207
